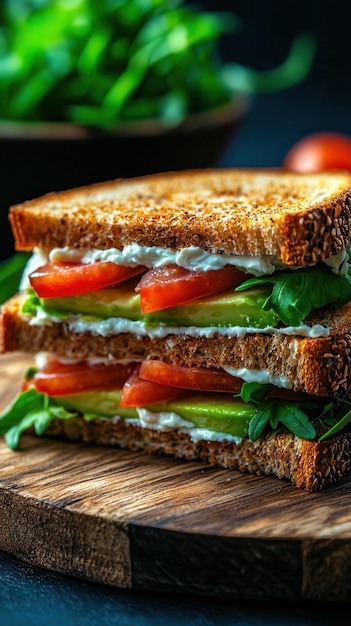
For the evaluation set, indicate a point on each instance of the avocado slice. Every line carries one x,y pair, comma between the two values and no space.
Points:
213,411
226,309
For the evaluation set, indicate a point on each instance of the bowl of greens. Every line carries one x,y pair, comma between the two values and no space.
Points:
98,89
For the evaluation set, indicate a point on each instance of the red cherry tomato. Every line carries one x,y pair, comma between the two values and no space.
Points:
196,378
55,280
322,151
165,287
60,379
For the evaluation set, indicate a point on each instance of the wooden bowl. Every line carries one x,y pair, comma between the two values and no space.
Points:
36,158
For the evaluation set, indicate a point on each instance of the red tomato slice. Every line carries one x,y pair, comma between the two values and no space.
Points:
207,379
59,379
55,280
197,378
321,151
139,392
165,287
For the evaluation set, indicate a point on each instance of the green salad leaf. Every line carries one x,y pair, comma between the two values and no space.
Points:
104,62
11,272
300,417
336,418
296,293
30,409
273,411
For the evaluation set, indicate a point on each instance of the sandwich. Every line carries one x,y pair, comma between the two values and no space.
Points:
204,315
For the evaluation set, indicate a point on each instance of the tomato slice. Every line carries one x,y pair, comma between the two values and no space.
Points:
165,287
61,379
207,379
55,280
139,392
196,378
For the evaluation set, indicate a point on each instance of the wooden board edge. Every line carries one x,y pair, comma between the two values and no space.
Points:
68,542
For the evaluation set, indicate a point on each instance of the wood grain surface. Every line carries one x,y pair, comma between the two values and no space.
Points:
140,522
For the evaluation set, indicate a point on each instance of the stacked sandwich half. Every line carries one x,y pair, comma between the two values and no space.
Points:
202,314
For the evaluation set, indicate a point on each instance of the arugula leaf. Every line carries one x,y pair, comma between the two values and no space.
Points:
259,421
11,272
296,293
275,412
30,409
341,419
253,392
24,403
109,61
295,420
13,435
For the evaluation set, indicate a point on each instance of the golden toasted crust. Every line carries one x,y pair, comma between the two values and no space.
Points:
317,366
300,218
308,464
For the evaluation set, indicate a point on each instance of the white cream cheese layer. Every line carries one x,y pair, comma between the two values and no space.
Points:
168,421
116,325
190,258
259,376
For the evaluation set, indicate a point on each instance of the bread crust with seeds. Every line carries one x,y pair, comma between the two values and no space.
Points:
300,218
310,465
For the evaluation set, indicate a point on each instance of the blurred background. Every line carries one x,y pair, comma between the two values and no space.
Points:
257,80
321,102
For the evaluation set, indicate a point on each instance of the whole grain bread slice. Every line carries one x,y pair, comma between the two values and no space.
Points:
300,218
318,366
310,465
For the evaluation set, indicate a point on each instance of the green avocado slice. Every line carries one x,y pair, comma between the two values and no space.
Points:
213,411
220,310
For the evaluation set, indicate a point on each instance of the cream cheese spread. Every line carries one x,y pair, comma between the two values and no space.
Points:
190,258
259,376
169,421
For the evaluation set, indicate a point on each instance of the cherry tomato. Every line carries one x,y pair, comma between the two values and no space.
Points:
165,287
196,378
322,151
55,280
139,392
61,379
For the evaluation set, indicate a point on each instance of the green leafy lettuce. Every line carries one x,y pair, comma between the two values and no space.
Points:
272,412
296,293
299,417
103,62
30,409
11,272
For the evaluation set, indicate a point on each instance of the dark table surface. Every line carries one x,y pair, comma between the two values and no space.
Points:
32,596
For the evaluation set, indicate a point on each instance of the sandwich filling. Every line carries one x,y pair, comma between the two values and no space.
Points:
205,403
153,291
156,292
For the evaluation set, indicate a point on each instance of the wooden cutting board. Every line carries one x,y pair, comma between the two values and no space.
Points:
137,522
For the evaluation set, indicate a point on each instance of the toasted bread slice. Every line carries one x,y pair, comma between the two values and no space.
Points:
310,465
300,218
318,366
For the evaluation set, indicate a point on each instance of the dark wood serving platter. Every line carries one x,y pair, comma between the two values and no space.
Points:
141,522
